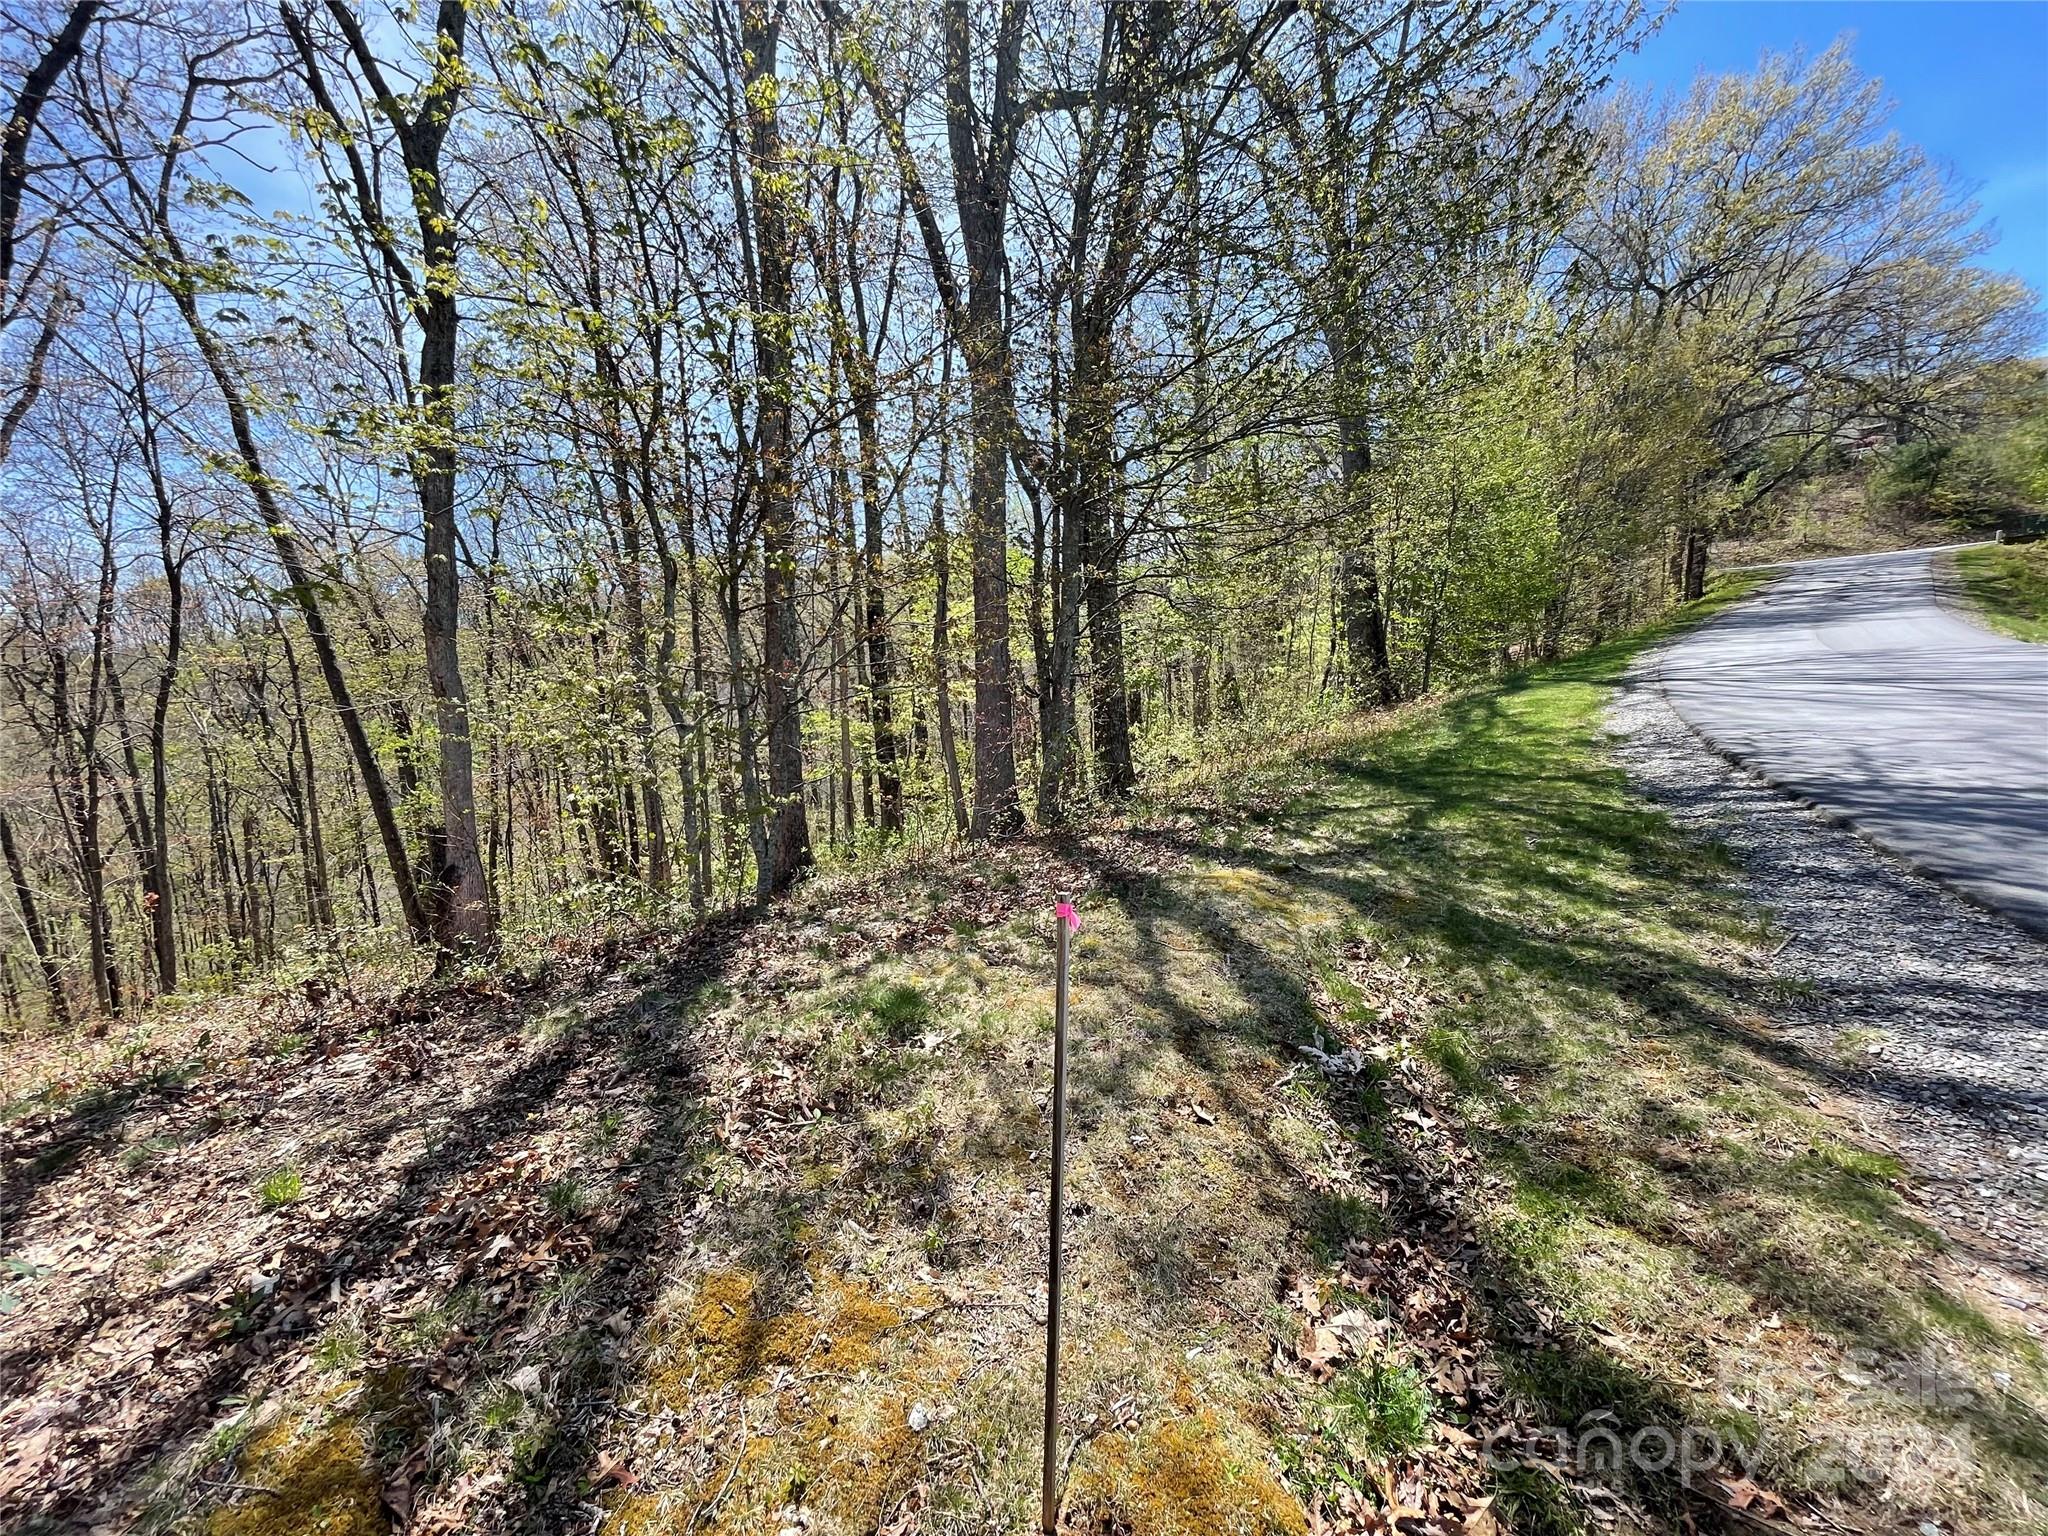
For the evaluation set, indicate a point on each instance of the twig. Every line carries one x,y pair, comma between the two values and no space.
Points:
229,1487
731,1472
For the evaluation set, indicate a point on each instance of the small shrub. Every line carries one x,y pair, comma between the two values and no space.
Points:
281,1188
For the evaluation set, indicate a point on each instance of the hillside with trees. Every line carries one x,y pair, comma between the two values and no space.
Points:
463,475
522,516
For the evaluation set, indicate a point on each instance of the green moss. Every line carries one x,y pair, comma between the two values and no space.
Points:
1182,1476
735,1334
317,1480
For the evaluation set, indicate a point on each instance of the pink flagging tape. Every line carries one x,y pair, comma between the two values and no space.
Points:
1064,911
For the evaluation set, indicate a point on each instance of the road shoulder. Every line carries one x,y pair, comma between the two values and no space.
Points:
1900,981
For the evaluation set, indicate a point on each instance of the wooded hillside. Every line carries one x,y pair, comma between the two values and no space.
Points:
479,465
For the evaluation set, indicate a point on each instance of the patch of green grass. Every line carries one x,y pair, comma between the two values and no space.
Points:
285,1186
1338,1217
501,1409
553,1025
2008,586
568,1197
340,1349
435,1323
1532,1500
899,1009
1448,1049
1378,1409
142,1153
1589,985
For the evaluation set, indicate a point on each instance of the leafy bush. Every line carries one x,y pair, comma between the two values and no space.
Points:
1977,476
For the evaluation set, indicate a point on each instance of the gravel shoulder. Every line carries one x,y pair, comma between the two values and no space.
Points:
1934,1011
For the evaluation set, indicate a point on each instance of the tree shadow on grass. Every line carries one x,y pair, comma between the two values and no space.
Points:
1453,850
435,1201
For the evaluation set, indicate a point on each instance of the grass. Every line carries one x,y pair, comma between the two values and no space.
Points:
568,1198
1591,994
285,1186
1379,1409
142,1153
2008,586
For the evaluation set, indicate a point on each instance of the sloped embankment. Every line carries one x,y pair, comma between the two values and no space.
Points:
1435,1167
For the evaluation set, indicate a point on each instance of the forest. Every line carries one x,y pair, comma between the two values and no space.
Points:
471,466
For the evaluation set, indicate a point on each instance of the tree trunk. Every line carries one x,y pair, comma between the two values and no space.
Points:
145,835
162,914
1698,540
1361,611
632,591
858,365
789,837
27,107
463,906
305,594
1089,442
981,186
1059,729
949,751
319,888
32,920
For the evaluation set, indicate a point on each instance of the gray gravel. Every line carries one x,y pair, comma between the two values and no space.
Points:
1927,1016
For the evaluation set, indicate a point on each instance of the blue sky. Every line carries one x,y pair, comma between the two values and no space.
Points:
1969,77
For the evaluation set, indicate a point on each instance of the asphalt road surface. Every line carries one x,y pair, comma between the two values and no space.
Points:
1851,683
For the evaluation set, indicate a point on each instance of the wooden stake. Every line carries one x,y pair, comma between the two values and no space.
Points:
1064,923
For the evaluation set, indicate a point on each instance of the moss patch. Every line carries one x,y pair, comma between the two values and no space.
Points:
1182,1476
736,1336
318,1481
829,1402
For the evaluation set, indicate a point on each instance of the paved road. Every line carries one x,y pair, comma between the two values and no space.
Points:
1848,681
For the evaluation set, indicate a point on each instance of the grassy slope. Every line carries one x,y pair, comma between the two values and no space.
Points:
773,1203
2008,585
